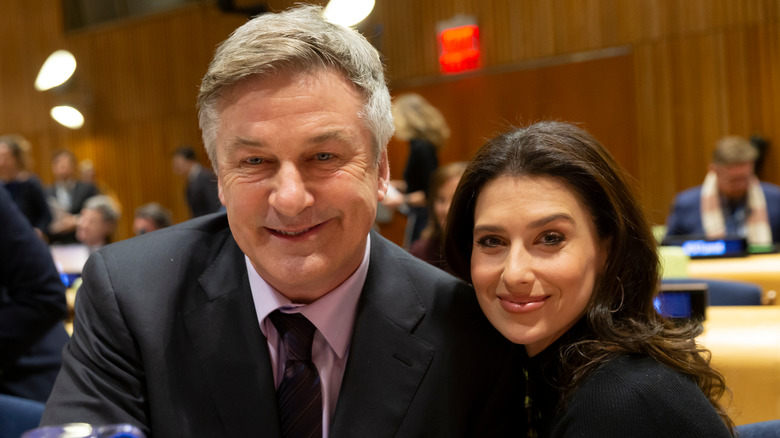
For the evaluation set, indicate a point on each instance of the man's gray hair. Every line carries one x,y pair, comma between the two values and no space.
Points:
297,40
106,206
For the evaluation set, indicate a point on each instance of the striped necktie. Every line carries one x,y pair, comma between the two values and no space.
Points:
299,395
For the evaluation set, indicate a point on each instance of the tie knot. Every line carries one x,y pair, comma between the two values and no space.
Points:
296,332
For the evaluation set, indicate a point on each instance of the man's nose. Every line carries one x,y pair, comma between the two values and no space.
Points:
290,195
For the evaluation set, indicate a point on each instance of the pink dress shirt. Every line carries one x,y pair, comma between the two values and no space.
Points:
333,315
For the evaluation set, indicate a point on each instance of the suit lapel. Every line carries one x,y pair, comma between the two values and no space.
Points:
224,331
386,361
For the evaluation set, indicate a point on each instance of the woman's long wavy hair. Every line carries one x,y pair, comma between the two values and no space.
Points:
620,315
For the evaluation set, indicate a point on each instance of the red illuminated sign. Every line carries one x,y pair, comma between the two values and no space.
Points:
459,48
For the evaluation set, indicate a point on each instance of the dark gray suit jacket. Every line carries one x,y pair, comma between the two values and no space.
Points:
166,337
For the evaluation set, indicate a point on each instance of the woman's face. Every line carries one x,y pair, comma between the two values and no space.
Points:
535,258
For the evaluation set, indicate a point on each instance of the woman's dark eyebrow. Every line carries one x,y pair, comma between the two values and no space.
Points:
552,218
535,224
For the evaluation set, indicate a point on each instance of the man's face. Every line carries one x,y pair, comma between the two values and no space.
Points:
92,229
180,165
733,179
63,167
142,225
296,175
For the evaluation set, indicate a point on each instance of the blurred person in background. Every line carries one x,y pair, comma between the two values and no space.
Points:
202,193
32,309
67,196
424,127
150,217
97,221
442,188
731,202
25,188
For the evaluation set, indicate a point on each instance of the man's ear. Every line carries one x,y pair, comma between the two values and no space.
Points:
221,196
383,175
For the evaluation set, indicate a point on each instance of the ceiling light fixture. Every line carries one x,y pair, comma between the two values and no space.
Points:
57,69
68,116
348,12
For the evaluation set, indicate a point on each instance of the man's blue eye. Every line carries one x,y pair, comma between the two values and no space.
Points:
254,160
323,156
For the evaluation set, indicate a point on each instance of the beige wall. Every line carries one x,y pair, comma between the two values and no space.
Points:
658,81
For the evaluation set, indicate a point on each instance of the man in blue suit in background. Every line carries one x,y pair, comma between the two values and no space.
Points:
731,202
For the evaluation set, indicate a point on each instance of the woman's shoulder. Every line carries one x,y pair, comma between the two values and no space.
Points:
638,372
638,396
641,381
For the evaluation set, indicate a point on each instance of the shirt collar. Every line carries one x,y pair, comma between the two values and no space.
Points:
333,314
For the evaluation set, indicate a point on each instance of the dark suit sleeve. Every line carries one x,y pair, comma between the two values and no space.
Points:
32,296
101,381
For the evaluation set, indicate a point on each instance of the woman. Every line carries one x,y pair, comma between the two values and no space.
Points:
442,189
545,227
426,130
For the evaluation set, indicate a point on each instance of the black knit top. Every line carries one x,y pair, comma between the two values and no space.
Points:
630,396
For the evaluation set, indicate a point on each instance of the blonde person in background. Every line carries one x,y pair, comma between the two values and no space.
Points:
423,126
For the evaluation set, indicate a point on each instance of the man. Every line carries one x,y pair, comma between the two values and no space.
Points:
97,222
67,196
731,202
185,331
32,308
202,196
151,217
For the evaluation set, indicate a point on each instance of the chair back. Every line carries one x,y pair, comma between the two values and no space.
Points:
762,429
726,293
18,415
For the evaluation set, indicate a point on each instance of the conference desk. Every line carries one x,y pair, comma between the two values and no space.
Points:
763,269
745,346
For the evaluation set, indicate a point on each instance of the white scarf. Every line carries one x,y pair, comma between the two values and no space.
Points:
756,224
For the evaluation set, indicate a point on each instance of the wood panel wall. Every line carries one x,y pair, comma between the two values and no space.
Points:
680,74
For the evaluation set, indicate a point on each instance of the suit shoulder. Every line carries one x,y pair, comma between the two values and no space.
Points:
432,285
770,189
188,239
689,195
